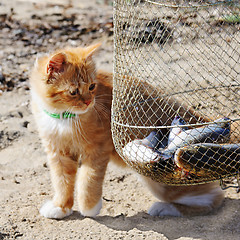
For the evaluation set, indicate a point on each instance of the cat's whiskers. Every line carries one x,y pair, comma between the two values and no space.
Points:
68,120
104,101
102,95
78,131
102,104
99,116
100,107
79,127
71,120
77,123
101,99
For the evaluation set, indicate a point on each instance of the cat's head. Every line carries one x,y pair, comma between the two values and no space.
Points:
65,80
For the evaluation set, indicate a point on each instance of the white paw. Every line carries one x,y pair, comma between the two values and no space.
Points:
163,209
48,210
93,211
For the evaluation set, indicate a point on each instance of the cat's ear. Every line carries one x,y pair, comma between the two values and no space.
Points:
91,50
56,63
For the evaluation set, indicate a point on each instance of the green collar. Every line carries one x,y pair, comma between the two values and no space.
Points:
63,115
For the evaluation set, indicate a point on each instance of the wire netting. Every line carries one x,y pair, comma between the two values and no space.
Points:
176,77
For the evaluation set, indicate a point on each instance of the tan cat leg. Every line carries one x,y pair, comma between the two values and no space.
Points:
63,172
90,181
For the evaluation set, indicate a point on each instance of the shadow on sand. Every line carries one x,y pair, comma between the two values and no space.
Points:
221,224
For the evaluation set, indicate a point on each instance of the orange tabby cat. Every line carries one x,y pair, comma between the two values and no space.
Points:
71,102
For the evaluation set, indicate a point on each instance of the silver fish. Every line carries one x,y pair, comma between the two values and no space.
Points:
155,140
136,151
177,121
216,132
151,140
145,150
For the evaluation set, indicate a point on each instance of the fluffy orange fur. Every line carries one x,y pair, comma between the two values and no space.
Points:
67,81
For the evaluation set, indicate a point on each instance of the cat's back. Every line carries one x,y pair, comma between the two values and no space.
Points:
105,79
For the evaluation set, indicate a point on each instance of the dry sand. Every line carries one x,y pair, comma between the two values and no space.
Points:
24,175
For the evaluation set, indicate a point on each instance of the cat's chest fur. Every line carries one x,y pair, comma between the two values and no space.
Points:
81,133
74,127
50,125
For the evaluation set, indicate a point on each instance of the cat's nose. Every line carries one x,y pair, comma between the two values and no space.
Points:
87,102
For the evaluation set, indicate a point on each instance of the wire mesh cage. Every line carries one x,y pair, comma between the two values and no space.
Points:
175,112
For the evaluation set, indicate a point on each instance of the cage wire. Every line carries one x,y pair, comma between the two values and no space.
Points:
175,112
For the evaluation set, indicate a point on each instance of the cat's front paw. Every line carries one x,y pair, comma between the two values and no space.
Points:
93,211
48,210
163,209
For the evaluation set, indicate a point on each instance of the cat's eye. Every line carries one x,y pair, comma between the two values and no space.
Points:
74,92
92,86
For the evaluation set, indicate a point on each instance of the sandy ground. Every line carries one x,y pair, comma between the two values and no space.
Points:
24,175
